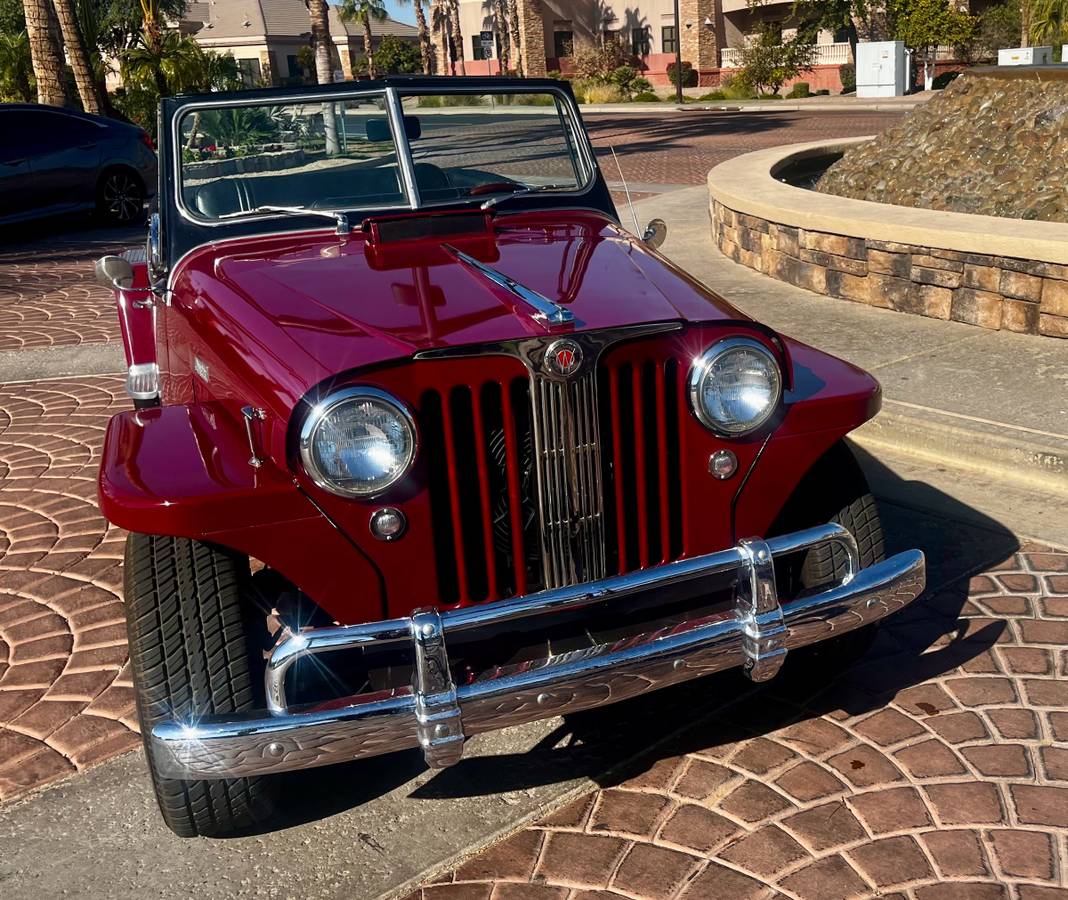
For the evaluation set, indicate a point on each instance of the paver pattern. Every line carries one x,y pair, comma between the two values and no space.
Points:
48,296
66,697
680,148
935,768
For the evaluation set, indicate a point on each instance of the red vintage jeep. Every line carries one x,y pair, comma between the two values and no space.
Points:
426,444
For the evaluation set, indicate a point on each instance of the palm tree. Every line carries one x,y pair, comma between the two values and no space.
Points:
16,67
45,52
457,35
364,11
439,14
324,70
513,27
500,32
426,51
1047,21
79,59
150,48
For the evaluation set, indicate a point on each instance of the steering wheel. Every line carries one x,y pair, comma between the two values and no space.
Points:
492,187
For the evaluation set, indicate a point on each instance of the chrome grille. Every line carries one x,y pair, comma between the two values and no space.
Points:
570,494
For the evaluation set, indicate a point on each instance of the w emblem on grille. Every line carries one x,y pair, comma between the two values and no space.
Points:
563,358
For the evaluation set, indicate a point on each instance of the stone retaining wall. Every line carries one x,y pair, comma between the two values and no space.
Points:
989,291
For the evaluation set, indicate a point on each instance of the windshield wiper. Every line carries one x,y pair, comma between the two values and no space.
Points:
528,189
340,218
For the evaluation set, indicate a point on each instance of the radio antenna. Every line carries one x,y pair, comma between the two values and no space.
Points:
626,190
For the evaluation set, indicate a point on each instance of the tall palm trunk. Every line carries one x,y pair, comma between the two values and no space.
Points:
513,27
320,27
457,35
425,50
500,32
45,52
367,51
79,59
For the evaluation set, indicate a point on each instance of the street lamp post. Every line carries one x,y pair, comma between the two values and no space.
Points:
678,55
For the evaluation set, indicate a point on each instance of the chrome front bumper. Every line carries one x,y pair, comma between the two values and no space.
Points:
438,715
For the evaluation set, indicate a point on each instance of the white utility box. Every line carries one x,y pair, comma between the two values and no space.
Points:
882,69
1025,56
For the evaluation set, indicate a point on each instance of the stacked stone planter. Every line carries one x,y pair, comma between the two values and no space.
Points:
984,270
977,288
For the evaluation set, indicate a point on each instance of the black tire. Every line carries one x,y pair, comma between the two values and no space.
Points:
120,197
834,490
192,654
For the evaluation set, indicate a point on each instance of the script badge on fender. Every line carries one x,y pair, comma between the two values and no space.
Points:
563,358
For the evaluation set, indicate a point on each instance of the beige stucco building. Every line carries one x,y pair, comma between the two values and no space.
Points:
266,37
710,31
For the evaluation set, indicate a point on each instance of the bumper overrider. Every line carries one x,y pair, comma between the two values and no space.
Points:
437,715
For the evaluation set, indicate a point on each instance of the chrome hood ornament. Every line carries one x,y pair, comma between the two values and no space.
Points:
545,310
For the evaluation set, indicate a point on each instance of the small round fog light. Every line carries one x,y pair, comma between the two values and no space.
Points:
388,523
722,464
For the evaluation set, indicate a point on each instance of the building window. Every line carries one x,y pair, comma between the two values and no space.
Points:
296,70
250,72
482,45
667,39
563,44
639,41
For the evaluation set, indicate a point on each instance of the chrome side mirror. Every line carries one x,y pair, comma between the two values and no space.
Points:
114,272
655,233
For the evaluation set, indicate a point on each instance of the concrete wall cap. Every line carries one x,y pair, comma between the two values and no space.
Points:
746,184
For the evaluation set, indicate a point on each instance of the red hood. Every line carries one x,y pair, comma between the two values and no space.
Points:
321,305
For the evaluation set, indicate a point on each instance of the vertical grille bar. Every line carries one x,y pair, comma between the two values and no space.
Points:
641,482
662,459
481,456
617,458
454,492
515,495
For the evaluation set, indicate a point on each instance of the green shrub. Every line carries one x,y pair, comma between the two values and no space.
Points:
530,99
822,92
462,100
645,97
602,93
769,97
737,88
432,101
713,95
943,81
800,89
689,75
848,74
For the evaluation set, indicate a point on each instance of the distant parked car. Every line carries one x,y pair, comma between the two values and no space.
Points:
56,161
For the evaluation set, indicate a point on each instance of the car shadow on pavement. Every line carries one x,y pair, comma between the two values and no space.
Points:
926,640
614,743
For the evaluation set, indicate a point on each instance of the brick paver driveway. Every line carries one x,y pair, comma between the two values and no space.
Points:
936,768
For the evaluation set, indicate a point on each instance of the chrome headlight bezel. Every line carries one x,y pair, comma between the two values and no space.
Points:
323,408
699,371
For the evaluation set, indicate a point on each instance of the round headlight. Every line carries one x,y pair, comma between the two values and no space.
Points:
735,386
357,442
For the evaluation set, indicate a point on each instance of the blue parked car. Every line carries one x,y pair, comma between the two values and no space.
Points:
57,161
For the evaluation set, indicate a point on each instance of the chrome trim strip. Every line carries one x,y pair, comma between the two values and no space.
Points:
219,747
238,747
405,163
545,310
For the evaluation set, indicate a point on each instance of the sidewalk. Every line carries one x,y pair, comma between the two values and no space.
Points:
985,413
838,103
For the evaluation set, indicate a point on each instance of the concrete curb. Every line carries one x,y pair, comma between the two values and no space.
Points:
61,362
1025,457
744,107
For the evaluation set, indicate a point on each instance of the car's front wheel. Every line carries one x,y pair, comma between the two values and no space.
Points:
834,490
195,650
120,197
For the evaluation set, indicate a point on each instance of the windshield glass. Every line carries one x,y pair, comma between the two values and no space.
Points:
464,148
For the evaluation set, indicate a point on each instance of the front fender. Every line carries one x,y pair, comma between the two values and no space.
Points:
184,471
828,399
